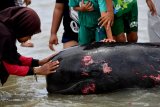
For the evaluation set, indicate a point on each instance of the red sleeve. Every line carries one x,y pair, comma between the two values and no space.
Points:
16,69
26,61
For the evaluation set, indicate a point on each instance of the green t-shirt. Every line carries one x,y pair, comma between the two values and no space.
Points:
122,6
90,19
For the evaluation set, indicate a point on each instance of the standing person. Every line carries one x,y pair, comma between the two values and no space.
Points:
125,20
70,24
20,23
154,20
132,23
89,12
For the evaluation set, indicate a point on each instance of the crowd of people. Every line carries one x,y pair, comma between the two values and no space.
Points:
84,22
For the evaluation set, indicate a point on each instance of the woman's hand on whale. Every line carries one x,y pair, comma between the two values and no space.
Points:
47,68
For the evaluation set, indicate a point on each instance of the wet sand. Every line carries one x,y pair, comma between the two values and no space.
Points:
26,92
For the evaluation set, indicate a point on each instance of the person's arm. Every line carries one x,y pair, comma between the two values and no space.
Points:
107,26
18,70
108,32
151,7
108,17
46,66
109,6
110,12
56,21
29,61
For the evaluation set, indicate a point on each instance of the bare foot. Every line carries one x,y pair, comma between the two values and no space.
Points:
27,44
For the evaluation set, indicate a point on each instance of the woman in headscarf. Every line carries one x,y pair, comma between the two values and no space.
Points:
20,23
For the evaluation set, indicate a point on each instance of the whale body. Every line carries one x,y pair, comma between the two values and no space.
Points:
105,67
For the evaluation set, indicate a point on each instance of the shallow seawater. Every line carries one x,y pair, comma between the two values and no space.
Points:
26,92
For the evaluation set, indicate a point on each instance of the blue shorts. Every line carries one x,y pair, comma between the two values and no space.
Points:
67,38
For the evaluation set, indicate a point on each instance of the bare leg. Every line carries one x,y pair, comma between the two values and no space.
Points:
120,38
132,37
27,44
69,44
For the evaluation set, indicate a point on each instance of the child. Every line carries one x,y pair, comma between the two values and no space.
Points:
70,24
126,20
89,12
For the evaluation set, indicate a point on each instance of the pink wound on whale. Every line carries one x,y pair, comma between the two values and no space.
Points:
155,78
89,89
106,68
87,60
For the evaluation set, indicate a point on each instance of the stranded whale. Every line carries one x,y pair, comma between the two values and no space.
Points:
105,67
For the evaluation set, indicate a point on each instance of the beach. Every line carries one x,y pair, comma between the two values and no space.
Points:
26,92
